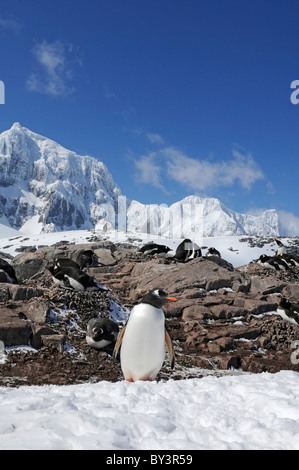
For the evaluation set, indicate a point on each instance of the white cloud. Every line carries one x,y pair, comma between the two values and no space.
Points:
201,175
288,224
10,25
154,138
148,170
54,71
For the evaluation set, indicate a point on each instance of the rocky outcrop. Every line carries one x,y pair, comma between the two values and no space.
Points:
222,318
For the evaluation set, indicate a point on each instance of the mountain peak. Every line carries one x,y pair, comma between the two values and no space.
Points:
16,126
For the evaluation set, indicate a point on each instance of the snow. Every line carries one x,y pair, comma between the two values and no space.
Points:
231,412
6,231
232,248
235,410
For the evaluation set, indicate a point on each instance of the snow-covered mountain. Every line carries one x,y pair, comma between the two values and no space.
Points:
195,216
45,187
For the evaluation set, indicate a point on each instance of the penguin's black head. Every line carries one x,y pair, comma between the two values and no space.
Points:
157,298
285,303
279,243
50,267
264,258
96,329
97,333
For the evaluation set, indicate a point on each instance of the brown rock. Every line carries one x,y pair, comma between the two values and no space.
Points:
38,331
37,311
196,312
291,291
256,306
226,311
24,292
54,341
13,330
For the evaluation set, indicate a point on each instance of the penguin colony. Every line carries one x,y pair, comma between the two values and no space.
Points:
281,261
141,342
69,274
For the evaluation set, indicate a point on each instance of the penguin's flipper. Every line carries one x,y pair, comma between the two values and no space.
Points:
170,348
118,343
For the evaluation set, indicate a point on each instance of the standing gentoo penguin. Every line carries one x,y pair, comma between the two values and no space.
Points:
7,272
273,262
213,252
143,339
101,332
288,311
187,250
281,248
154,249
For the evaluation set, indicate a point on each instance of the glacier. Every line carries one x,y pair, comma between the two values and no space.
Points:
45,188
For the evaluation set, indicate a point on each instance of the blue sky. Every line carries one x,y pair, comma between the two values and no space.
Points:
176,97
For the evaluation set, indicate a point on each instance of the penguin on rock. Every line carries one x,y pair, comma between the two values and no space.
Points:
281,247
142,340
101,332
291,259
58,276
289,311
71,277
187,250
65,263
154,249
213,252
273,262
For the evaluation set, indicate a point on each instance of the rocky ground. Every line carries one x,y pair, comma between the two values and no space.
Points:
220,322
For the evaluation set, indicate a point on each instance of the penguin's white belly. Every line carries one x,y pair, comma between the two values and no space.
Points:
75,284
143,346
97,344
58,282
268,266
282,313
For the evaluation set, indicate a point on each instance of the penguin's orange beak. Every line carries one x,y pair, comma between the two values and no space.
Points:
171,298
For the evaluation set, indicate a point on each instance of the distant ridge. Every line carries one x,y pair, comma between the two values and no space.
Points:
45,187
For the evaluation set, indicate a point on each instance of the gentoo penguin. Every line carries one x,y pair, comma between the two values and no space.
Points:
101,332
58,276
273,262
80,280
65,263
213,252
74,278
187,250
86,258
7,272
288,311
154,249
290,259
281,248
143,339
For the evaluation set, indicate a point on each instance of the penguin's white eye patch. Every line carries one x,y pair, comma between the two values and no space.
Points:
157,292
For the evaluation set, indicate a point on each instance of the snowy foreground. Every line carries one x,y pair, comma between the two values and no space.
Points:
235,411
232,412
